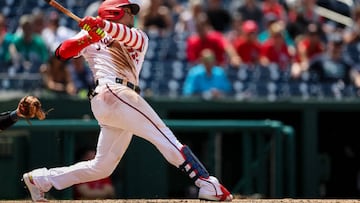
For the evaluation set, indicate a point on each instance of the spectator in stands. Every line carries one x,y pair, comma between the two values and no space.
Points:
308,47
275,8
176,7
98,189
38,21
251,10
308,12
270,19
219,17
57,78
28,50
186,22
208,38
275,50
81,75
5,41
300,14
352,42
331,67
54,33
207,79
156,18
247,45
236,28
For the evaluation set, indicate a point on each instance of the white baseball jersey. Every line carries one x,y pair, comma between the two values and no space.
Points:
120,53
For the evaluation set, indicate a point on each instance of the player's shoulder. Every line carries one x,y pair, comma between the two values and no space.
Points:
142,32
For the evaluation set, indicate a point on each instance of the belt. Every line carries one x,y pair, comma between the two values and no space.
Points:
91,93
126,83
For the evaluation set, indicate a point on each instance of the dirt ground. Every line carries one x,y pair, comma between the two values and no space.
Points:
195,201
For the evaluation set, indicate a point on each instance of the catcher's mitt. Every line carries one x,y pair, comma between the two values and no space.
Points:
30,107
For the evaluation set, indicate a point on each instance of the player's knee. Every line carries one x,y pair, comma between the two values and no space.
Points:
103,168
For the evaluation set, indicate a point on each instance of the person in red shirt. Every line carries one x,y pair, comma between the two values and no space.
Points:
274,50
98,189
247,45
207,38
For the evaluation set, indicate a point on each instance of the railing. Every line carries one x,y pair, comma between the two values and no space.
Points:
268,149
20,81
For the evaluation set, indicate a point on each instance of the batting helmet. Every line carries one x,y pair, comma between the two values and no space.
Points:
113,9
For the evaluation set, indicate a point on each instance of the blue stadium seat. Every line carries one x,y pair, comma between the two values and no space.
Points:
146,71
3,4
297,88
10,2
157,48
5,10
244,73
283,90
176,46
174,88
333,90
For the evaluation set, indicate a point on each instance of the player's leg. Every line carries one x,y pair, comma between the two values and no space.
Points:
139,118
112,144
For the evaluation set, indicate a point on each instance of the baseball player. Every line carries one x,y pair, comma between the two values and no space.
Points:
115,52
28,107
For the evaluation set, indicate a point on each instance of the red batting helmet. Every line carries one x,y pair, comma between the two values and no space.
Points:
112,9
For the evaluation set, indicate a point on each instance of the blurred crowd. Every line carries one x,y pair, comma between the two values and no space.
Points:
245,49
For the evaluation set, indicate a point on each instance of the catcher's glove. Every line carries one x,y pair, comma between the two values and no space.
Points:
30,107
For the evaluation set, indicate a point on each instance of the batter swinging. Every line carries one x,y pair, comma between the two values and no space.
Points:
115,52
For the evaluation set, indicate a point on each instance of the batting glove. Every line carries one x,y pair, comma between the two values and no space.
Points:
88,22
96,34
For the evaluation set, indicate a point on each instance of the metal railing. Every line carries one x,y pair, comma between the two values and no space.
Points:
267,158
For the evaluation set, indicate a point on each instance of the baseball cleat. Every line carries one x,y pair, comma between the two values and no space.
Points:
211,189
36,194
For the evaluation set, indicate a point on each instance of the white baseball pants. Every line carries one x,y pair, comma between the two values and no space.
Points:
121,112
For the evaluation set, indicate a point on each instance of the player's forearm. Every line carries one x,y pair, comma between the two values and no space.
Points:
72,47
8,119
130,37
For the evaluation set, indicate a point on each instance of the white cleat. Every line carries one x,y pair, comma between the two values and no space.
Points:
211,189
36,194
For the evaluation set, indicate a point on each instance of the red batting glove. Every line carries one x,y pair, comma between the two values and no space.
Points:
100,22
88,22
96,34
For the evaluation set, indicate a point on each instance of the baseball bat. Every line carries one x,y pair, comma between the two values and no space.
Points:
64,10
327,13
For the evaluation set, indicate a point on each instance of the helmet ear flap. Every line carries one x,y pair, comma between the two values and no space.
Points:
118,13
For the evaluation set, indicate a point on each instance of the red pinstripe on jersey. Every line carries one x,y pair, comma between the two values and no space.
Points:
131,37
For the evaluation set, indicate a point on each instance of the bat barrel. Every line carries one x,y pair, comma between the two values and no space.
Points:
64,10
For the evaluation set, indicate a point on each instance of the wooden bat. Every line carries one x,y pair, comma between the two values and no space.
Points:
334,16
64,10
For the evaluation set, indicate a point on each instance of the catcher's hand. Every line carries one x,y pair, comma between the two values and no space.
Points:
30,107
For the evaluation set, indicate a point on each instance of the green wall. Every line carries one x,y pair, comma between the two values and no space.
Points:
319,125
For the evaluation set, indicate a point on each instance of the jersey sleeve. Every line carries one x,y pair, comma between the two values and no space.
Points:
130,37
